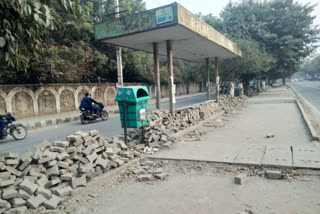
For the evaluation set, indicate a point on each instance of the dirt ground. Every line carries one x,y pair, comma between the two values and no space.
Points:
199,188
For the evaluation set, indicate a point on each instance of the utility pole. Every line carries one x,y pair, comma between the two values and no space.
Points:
119,56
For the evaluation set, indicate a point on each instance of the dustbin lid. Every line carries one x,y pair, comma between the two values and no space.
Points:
133,94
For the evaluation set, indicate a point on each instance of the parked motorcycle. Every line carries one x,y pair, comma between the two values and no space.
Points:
86,115
16,130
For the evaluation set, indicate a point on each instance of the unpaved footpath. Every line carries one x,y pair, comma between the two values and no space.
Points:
204,186
199,188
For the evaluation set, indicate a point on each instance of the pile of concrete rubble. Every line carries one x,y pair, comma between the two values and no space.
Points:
162,126
53,171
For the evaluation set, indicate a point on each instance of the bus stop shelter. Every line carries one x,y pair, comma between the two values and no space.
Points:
173,31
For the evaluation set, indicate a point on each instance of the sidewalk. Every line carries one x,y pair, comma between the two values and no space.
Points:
66,117
242,139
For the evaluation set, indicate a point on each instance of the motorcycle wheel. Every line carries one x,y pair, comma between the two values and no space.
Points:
19,133
83,120
104,115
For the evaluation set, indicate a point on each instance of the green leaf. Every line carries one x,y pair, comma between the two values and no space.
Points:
42,22
7,56
2,42
36,17
64,3
29,10
37,5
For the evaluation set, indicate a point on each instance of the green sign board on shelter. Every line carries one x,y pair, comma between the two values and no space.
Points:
164,15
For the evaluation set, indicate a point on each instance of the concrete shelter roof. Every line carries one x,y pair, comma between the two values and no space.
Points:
192,39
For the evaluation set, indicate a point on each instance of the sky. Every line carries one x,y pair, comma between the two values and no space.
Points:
216,6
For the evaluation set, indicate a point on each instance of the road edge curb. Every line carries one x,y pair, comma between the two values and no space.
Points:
313,132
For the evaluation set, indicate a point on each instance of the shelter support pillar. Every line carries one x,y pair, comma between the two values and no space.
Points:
170,78
217,78
119,50
208,78
157,73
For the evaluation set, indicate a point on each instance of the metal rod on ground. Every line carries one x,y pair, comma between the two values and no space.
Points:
125,120
217,78
208,78
142,136
170,77
119,55
157,72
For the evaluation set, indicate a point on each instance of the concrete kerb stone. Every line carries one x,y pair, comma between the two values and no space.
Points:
218,163
311,129
272,174
313,132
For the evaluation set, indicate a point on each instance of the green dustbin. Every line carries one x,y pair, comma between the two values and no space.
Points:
136,99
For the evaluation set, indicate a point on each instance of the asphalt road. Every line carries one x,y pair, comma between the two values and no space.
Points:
109,128
310,90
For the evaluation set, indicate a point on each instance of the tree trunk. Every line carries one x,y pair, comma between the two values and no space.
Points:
247,87
188,87
283,80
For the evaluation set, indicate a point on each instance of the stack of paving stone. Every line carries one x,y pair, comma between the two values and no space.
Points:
158,134
53,171
148,171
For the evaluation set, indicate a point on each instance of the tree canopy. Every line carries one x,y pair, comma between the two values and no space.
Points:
282,28
46,41
311,68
